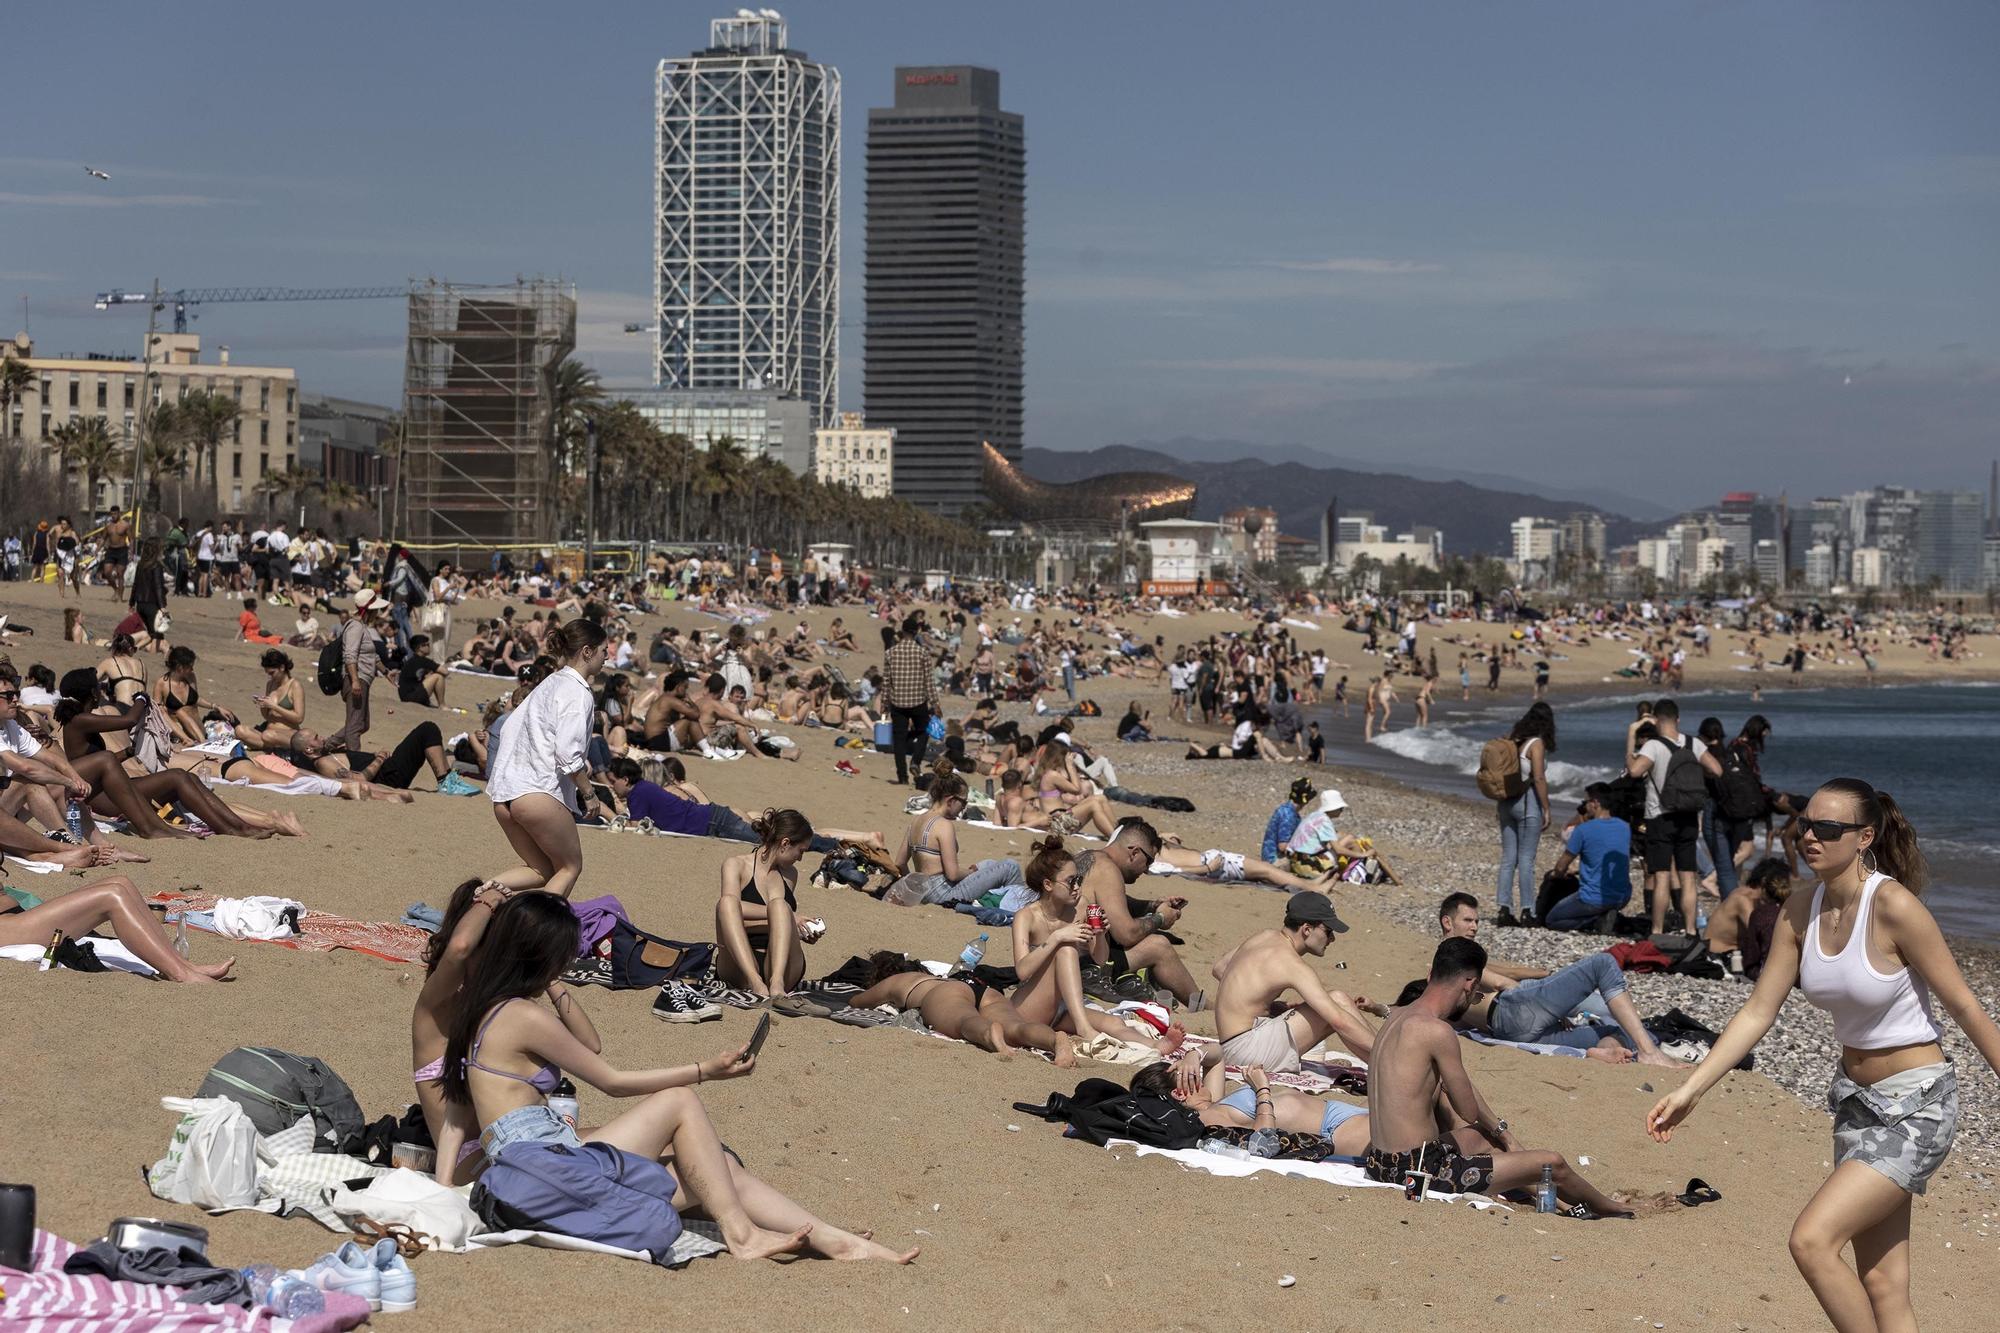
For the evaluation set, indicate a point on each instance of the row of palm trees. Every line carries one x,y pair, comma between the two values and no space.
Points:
653,486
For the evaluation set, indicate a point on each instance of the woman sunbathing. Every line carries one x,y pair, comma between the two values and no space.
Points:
1015,808
501,1058
114,902
932,871
969,1011
1050,946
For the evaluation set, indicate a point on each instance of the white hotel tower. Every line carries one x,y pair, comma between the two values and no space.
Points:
746,260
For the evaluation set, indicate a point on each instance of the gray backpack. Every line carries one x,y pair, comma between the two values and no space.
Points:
275,1088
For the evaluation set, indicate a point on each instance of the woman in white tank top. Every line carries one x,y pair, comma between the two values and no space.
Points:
1866,950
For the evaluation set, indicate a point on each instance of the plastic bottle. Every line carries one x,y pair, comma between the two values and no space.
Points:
260,1277
1223,1148
73,817
562,1100
1545,1193
292,1297
181,933
1263,1143
973,953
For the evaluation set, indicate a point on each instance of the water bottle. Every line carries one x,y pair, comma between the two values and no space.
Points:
292,1297
73,817
181,933
973,953
260,1277
562,1100
1263,1143
1223,1148
1545,1193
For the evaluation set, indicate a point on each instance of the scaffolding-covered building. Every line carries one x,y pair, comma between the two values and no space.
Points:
478,409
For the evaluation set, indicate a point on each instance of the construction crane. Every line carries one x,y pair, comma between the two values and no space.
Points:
188,296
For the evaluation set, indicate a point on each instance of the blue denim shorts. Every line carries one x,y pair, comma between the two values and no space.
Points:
526,1124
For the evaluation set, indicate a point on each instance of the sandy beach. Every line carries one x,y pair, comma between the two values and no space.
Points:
914,1136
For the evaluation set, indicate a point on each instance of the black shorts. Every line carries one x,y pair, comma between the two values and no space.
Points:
1670,842
117,555
1451,1171
226,568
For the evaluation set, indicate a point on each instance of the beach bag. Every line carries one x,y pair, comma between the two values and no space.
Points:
275,1088
590,1191
639,959
211,1160
1684,786
331,664
1499,777
1739,795
162,623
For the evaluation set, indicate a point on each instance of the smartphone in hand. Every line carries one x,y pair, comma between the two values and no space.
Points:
757,1037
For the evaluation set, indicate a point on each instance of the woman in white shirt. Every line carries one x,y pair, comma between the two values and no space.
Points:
532,771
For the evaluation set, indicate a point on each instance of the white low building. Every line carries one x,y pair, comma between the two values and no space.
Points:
1181,552
856,455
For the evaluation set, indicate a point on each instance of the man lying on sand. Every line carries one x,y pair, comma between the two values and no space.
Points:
1255,976
1415,1058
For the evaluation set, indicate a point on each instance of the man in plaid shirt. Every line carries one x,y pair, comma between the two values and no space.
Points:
910,691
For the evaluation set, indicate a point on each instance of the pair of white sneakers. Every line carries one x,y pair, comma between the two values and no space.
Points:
379,1275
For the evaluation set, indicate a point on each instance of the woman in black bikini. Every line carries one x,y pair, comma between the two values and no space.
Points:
756,918
121,673
180,700
968,1011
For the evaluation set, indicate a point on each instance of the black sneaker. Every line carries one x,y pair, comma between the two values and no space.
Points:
683,1004
1506,917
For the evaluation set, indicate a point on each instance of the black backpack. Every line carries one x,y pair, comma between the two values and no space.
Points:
332,664
275,1088
1684,786
1738,793
1100,1111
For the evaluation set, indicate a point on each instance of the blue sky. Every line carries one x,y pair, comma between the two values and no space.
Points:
1665,249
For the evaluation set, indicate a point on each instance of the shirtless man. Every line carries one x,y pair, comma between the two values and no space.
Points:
117,554
723,725
673,722
1135,939
1254,977
1416,1058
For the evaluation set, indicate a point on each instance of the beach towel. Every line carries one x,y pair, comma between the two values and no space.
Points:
319,932
1331,1172
35,867
111,953
45,1299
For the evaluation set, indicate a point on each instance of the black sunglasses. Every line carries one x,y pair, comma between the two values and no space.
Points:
1829,830
10,694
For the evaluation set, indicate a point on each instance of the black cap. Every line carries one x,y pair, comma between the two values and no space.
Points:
1310,906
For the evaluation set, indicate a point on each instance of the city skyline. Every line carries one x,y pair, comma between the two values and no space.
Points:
1537,242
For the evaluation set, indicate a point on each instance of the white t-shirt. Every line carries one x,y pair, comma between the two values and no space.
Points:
204,545
1243,736
1661,753
14,739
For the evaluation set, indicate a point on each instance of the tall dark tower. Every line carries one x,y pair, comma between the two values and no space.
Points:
947,186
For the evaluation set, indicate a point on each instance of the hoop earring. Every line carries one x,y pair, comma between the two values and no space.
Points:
1868,860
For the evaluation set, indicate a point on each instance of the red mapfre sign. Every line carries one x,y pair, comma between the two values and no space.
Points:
920,80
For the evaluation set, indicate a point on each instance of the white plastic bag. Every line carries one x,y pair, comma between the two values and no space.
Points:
415,1200
212,1158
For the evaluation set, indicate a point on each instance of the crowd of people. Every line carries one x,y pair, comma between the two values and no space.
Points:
595,725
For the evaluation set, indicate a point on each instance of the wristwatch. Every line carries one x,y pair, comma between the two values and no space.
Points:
1500,1125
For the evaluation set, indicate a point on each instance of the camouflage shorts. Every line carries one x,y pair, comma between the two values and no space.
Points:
1902,1126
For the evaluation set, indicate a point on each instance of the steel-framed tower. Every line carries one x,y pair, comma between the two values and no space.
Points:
746,207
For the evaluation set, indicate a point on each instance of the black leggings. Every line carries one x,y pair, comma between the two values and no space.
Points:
407,759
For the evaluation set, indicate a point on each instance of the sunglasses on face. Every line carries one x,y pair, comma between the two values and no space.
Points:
1071,881
10,694
1828,830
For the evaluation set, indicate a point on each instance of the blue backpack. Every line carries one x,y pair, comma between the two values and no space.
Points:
593,1192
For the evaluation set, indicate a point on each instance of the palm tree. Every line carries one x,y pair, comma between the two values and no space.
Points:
574,396
166,450
17,381
722,466
270,486
339,498
205,417
97,452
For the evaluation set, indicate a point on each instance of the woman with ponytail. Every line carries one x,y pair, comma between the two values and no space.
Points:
532,769
932,871
1863,947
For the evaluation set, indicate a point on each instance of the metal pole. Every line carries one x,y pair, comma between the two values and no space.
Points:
590,512
145,408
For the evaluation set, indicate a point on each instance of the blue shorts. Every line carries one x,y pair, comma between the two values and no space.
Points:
526,1124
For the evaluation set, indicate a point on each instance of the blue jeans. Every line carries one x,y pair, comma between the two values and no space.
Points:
981,880
1537,1010
400,614
1573,913
1069,681
1716,835
1520,831
726,823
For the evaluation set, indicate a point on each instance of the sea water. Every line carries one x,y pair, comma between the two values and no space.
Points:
1935,748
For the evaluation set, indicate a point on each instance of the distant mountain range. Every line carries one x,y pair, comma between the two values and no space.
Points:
1475,518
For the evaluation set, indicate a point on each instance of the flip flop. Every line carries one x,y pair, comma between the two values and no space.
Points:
1697,1193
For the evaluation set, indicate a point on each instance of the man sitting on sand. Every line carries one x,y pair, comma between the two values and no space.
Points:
1342,1124
1739,931
1415,1058
1458,918
1257,973
1600,847
1136,940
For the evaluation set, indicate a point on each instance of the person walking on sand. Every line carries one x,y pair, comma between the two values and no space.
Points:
532,770
1863,947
